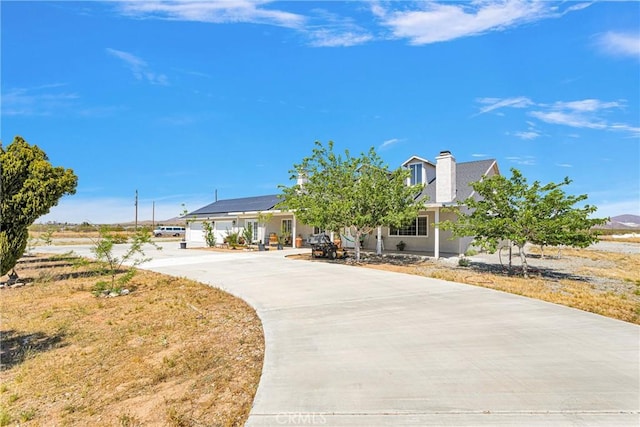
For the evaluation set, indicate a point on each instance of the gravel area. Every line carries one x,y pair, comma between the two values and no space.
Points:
556,265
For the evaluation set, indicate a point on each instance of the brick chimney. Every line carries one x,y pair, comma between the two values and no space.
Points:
445,177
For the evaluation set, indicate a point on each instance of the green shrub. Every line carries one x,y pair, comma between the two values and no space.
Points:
464,262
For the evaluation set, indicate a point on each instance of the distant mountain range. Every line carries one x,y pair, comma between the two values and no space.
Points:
623,222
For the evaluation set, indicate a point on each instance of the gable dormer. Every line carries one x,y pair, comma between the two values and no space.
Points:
422,171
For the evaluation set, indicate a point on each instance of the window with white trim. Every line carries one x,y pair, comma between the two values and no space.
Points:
417,227
416,174
287,226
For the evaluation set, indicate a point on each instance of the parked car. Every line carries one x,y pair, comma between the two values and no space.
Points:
168,231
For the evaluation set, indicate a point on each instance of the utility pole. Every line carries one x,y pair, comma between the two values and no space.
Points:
153,215
136,210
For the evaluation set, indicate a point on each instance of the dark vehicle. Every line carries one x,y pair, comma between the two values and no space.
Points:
323,247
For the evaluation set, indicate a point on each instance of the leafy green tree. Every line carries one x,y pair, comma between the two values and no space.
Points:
29,187
511,210
360,193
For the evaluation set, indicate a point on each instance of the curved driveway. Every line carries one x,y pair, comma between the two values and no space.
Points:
350,346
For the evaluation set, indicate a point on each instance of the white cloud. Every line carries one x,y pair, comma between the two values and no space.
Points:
564,165
527,135
388,143
568,119
496,103
45,100
587,105
523,161
619,44
586,114
479,155
322,29
332,38
439,22
139,67
218,12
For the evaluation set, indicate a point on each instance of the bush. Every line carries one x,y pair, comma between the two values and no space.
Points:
464,262
209,235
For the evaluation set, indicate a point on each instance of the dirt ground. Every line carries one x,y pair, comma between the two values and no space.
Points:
170,352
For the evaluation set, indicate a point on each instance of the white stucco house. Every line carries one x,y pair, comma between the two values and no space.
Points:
445,183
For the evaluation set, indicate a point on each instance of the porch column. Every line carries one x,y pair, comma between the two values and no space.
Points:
293,231
379,241
436,244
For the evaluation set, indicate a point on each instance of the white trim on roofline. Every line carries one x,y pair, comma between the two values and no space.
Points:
412,158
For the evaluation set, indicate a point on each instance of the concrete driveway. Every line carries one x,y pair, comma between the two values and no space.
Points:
350,346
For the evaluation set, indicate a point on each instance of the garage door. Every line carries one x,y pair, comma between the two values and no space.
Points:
196,233
221,229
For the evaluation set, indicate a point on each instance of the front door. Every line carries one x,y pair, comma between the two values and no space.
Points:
258,232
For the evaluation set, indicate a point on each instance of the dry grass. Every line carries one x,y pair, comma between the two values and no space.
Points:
609,286
629,239
173,352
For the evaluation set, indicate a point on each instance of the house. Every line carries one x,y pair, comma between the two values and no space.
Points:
446,182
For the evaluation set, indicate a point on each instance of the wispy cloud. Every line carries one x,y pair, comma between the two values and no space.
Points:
522,161
479,155
527,135
321,28
530,134
328,29
491,104
331,38
584,114
619,44
564,165
217,12
434,22
388,143
45,100
139,67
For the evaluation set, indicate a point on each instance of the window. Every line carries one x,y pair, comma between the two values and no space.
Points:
416,174
287,226
417,227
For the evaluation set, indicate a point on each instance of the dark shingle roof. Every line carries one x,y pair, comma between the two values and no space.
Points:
245,204
466,173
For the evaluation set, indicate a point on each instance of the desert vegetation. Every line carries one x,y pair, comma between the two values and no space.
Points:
171,352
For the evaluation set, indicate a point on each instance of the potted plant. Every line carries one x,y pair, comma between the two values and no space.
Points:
284,239
401,245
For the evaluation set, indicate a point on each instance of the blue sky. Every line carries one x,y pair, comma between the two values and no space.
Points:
178,99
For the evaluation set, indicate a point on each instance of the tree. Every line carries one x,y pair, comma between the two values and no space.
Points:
112,264
209,235
511,210
29,187
360,193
